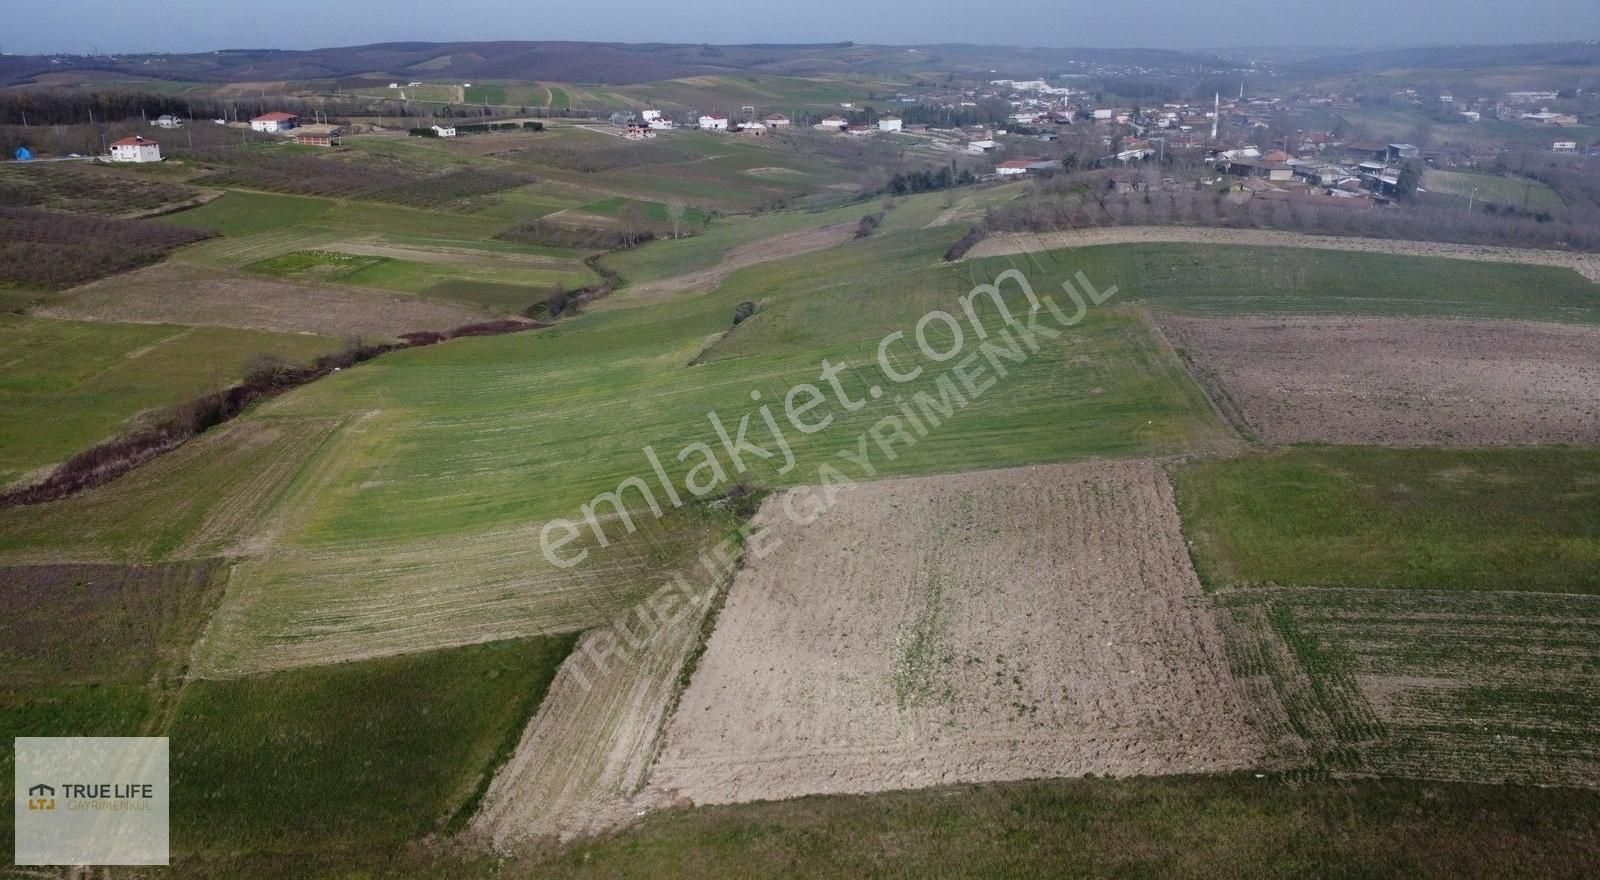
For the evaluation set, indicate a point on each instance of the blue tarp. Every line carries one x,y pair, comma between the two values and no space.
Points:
24,154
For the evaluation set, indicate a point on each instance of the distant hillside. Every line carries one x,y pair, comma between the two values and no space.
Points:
1456,58
610,63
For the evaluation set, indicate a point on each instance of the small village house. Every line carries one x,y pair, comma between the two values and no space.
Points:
444,131
889,123
1564,147
167,120
777,120
714,123
638,131
318,135
274,122
832,123
135,149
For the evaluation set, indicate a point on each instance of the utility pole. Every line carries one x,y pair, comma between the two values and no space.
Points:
1470,199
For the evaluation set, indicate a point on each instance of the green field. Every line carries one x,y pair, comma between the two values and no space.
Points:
1526,520
68,385
1529,194
1244,279
357,756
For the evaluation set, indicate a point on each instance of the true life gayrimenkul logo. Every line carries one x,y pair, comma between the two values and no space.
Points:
91,800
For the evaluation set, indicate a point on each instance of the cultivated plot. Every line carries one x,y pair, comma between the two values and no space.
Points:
1024,623
1411,382
175,293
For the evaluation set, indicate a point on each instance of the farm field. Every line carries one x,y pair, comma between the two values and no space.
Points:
180,293
1026,623
1398,382
1532,194
66,385
1453,685
1467,519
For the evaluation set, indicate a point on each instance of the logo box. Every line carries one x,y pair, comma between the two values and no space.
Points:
91,800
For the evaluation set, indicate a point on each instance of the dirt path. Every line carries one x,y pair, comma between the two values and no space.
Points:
766,250
1027,623
1586,264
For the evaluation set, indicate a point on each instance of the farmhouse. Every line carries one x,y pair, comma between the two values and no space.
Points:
649,115
832,123
889,123
135,149
982,147
274,122
714,123
1013,167
1564,146
167,120
777,120
444,131
318,135
754,129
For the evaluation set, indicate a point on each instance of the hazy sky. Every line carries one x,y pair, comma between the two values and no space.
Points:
31,26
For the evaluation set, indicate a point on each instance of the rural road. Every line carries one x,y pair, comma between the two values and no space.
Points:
1585,264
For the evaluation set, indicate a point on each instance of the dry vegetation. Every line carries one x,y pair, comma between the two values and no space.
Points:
50,250
84,188
369,178
1021,624
1398,381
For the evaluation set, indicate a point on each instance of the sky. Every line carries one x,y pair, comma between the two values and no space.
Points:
199,25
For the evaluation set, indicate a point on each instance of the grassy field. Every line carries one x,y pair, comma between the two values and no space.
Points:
1200,827
1243,279
1532,194
1526,520
67,385
378,753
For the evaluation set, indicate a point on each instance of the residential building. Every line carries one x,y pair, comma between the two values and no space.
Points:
638,131
714,123
777,120
1564,146
444,131
1013,167
167,120
832,123
889,123
982,147
274,122
135,149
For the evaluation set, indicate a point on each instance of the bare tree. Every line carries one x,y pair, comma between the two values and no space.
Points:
675,212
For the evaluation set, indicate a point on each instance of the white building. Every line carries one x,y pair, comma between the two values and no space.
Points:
167,120
890,123
274,122
659,124
982,147
714,123
1565,146
135,149
832,123
649,115
777,120
444,131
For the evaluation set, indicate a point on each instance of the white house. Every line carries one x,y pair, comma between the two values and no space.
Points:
1013,167
714,123
274,122
982,147
649,115
889,123
832,123
777,120
135,149
755,129
659,124
444,131
1565,146
1103,115
167,120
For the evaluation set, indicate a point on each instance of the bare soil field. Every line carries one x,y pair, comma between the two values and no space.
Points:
778,247
1586,264
180,293
1398,381
1026,623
